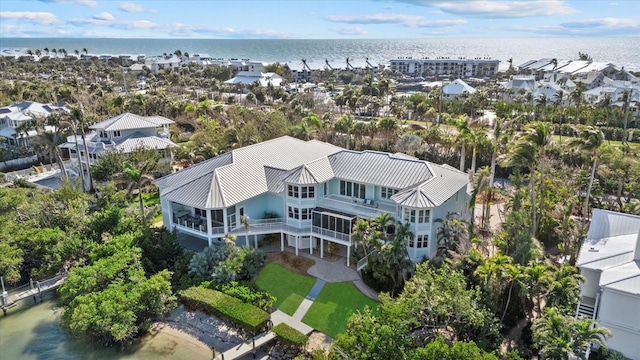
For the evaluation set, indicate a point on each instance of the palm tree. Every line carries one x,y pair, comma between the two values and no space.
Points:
345,125
136,173
244,220
605,103
564,288
564,337
537,278
529,148
452,235
46,50
384,221
464,132
49,141
85,51
499,141
589,140
389,127
513,273
80,123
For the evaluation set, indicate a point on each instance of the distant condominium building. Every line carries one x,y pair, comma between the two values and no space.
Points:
440,66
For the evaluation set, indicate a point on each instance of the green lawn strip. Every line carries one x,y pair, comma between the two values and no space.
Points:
333,306
288,288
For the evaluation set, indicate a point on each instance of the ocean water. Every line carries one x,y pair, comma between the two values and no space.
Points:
624,51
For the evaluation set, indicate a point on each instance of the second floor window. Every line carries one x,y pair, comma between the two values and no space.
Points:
116,133
348,188
419,241
387,193
305,192
294,212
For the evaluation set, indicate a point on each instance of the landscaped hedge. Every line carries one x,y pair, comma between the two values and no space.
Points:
213,302
289,336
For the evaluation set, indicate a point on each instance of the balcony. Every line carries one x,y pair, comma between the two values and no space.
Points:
356,207
331,233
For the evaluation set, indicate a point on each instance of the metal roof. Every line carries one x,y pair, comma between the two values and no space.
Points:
378,168
445,183
128,121
138,139
612,247
266,167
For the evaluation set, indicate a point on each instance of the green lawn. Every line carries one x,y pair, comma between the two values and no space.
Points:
333,306
288,288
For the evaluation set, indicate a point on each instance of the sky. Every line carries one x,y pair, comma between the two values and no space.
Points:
297,19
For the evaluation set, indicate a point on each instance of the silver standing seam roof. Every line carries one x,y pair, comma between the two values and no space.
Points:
128,121
253,170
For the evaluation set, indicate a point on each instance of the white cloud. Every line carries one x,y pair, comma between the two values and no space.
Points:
42,18
104,16
136,24
587,27
499,9
89,3
350,30
132,8
406,20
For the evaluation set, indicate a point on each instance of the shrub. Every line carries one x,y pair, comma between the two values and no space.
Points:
289,336
213,302
248,293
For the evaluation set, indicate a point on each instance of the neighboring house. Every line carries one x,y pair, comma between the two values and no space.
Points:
245,78
549,90
609,260
311,193
457,89
125,133
15,117
519,84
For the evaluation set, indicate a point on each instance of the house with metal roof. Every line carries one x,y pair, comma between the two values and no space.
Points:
609,260
15,117
310,193
125,133
457,89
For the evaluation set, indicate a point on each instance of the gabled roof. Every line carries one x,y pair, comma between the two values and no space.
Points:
138,139
434,192
458,87
253,170
128,121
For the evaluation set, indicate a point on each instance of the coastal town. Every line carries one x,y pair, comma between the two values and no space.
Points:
274,202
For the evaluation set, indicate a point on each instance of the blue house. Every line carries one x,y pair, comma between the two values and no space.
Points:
312,192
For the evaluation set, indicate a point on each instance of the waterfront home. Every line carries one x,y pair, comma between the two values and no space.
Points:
310,193
125,133
15,120
609,260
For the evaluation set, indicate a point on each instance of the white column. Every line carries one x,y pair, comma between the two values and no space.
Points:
297,249
311,245
281,241
415,247
348,254
321,248
224,219
255,240
170,227
208,222
209,239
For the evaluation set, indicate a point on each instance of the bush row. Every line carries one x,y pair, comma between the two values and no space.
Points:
213,302
289,336
249,293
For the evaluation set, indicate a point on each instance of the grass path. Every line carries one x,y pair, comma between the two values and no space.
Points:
333,306
288,288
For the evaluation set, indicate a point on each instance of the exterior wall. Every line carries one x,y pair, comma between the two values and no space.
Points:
591,285
166,212
455,204
621,309
622,340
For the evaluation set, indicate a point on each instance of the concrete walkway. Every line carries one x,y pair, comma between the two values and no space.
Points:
331,271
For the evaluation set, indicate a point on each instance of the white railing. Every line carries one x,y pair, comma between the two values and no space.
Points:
362,263
353,207
331,233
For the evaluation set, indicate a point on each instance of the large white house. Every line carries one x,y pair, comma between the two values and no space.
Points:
310,193
125,133
15,116
609,260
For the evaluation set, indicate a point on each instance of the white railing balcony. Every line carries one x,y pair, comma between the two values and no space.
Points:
331,233
356,207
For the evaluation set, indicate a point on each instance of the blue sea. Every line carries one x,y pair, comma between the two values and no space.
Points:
624,51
